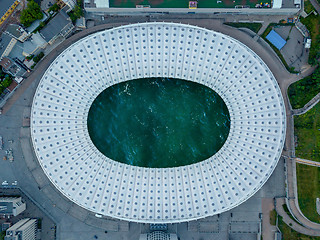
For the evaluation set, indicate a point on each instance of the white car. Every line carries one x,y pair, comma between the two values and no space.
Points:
5,183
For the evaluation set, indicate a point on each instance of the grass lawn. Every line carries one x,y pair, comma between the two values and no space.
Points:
273,217
308,179
306,128
308,6
290,234
184,3
312,22
301,92
255,27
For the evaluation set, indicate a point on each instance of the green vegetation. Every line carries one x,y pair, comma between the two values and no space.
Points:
308,8
54,8
5,80
31,13
273,217
39,223
30,57
288,233
2,235
36,59
308,134
308,179
312,22
277,51
5,83
2,73
77,12
255,27
302,91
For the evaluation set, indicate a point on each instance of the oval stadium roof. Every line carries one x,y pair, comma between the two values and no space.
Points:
167,195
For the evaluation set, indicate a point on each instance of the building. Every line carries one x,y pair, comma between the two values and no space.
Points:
33,45
158,195
25,229
17,32
96,3
5,226
11,47
11,206
69,3
158,235
7,43
80,23
12,67
59,26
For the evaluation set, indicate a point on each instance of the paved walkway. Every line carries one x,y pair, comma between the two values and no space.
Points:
291,180
316,5
268,230
308,162
308,106
293,224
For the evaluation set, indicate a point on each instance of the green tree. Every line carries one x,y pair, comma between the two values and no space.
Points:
6,82
38,57
76,13
54,8
31,13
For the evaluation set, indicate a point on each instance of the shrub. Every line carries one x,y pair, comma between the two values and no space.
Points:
38,57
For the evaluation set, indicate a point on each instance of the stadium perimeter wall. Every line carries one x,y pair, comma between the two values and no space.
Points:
134,11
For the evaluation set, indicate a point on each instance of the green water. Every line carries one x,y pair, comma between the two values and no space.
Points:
158,122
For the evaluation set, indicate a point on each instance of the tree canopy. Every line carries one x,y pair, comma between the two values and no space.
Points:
77,12
31,13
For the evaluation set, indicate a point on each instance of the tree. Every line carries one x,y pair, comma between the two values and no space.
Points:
76,13
6,82
31,13
54,8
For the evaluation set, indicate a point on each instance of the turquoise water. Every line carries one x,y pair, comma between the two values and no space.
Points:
158,122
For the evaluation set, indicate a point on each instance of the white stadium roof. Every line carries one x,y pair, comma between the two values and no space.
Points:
165,195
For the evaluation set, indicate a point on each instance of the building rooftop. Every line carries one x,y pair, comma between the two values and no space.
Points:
6,207
17,31
55,26
276,39
17,51
33,43
4,42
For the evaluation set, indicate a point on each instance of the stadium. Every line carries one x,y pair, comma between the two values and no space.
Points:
101,185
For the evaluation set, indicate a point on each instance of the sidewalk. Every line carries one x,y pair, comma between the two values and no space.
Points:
268,230
293,224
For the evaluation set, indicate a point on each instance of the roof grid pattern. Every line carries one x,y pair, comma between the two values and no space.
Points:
87,177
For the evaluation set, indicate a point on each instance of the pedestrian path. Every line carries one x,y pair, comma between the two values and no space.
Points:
308,106
308,162
293,224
